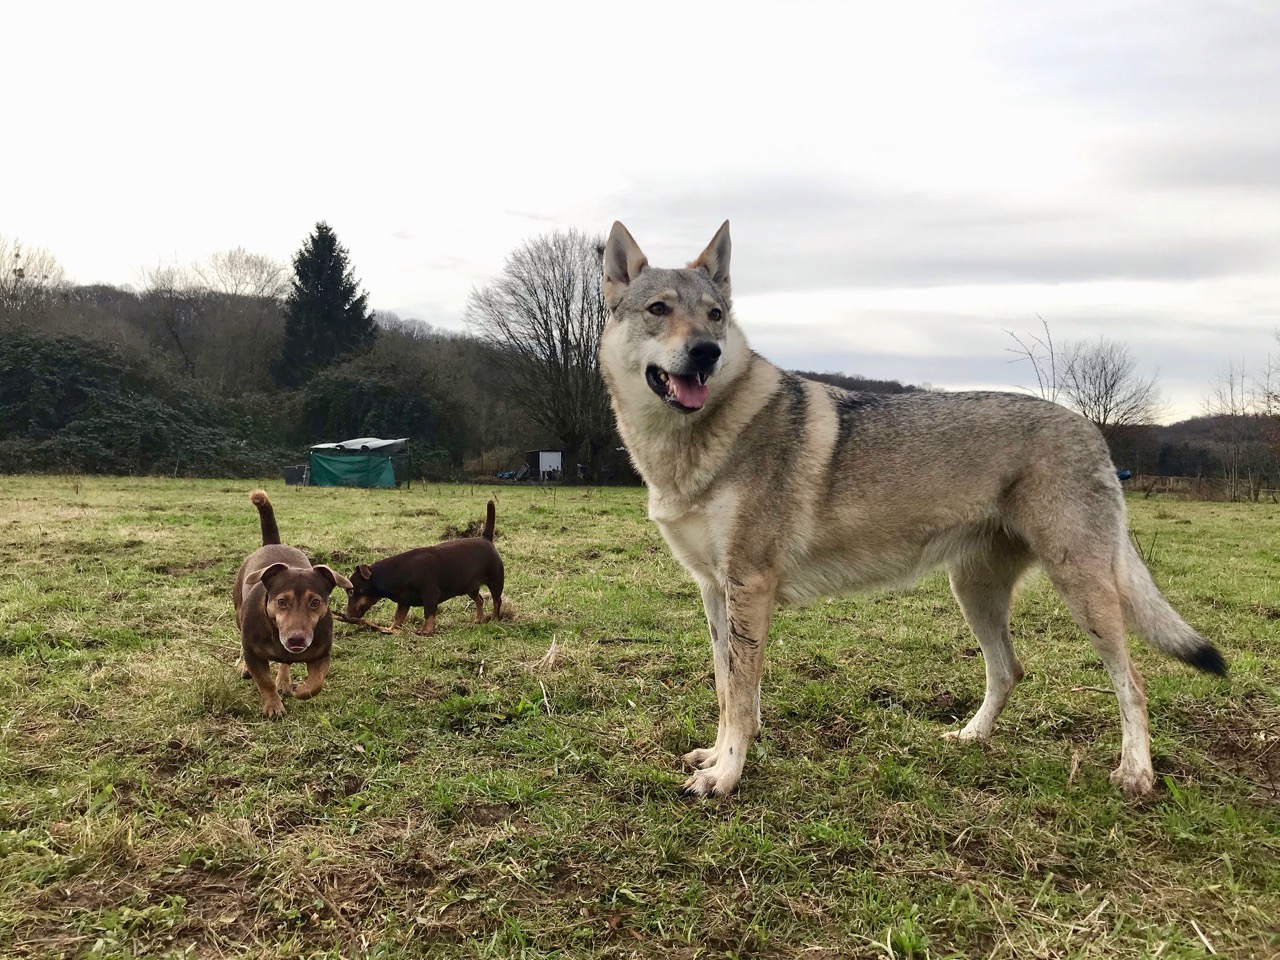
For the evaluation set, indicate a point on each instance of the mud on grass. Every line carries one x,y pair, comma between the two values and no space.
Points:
470,795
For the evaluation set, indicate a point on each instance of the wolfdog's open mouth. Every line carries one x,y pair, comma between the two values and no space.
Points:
685,392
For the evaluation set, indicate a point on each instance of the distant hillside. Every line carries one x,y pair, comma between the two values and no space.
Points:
1208,447
846,382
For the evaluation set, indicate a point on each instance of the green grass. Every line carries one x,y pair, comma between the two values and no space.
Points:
461,796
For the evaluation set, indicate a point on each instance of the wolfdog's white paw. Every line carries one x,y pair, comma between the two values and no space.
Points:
1133,779
969,732
714,781
702,758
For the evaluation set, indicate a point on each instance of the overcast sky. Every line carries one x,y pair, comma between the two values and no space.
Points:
905,181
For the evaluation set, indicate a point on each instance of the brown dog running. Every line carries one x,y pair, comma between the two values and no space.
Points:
427,576
282,610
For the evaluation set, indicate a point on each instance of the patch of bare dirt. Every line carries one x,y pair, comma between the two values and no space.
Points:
1248,745
1243,742
485,814
945,706
474,529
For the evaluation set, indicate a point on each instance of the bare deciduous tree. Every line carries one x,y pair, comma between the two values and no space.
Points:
175,298
220,317
1266,407
30,278
390,321
1228,407
240,273
1100,380
1042,355
243,317
1265,392
544,314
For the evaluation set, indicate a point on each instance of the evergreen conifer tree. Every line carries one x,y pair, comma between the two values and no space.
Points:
327,316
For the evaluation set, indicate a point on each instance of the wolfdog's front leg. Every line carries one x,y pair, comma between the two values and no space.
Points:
747,615
714,601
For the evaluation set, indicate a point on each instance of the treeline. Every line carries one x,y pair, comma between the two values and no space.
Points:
123,397
199,373
1239,453
1233,450
235,365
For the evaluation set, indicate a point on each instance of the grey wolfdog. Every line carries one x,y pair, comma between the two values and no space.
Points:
770,488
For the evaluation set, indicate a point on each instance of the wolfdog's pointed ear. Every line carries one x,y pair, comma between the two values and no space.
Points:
715,260
623,262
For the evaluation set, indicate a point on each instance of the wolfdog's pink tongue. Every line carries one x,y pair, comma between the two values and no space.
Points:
689,392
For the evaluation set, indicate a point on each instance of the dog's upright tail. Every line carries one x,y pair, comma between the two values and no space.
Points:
1149,613
266,517
490,515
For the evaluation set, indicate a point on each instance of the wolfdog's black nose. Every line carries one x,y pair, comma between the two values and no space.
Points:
704,354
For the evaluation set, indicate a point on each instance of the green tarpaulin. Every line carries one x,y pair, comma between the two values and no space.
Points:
359,470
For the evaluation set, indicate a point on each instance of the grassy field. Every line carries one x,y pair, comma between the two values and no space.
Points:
512,789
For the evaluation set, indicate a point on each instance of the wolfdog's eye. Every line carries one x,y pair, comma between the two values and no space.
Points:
315,602
659,309
715,314
282,602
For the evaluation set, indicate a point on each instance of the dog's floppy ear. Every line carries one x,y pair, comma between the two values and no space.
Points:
365,571
333,576
715,260
266,574
623,262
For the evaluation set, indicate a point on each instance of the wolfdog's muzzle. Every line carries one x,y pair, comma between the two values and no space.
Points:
686,390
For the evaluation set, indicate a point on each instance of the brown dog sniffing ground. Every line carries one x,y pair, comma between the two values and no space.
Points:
427,576
282,610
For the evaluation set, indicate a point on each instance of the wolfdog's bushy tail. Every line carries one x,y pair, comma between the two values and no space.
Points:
266,517
1149,613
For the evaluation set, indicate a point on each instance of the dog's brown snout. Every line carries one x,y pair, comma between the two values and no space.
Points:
704,354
